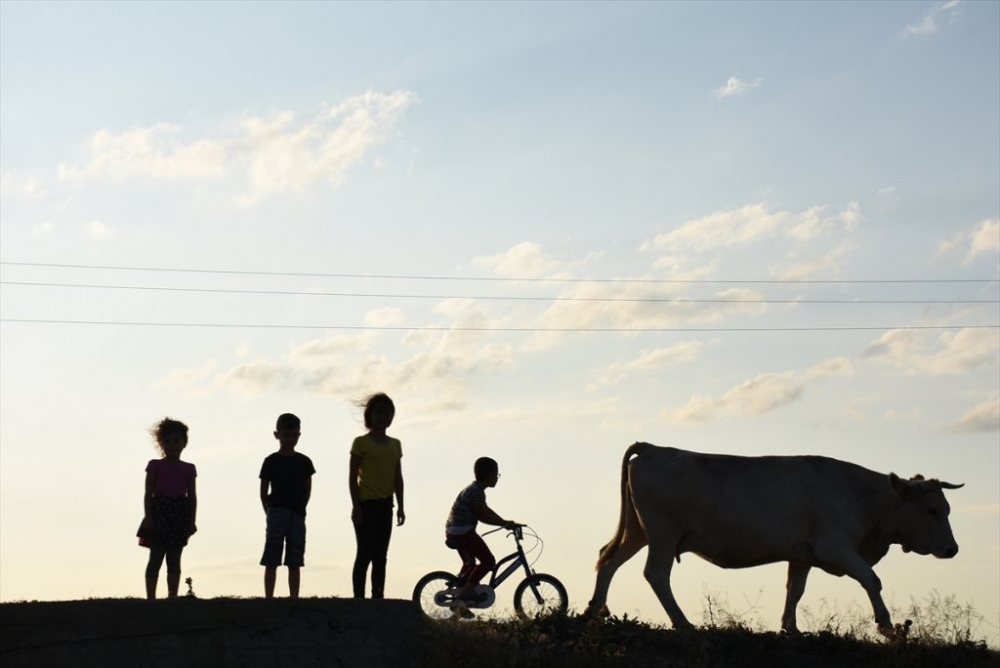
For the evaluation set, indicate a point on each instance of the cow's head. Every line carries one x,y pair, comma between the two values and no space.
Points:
922,518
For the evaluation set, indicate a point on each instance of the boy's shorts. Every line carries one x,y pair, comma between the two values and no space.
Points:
285,529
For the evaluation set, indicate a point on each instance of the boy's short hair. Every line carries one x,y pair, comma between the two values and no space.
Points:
288,421
485,467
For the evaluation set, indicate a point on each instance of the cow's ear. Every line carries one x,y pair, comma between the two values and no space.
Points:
900,486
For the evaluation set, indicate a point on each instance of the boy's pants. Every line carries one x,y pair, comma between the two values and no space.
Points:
471,547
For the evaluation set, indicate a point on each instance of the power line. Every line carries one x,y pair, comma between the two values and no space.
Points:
500,279
432,328
499,298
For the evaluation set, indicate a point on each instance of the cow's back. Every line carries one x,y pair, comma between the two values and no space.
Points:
745,511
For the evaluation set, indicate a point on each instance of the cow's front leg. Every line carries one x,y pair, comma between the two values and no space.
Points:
794,588
849,562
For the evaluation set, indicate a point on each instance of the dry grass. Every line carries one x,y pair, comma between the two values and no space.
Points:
943,634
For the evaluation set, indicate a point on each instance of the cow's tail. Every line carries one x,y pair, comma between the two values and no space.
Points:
627,518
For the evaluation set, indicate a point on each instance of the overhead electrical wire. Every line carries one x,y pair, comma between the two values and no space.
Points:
661,300
460,328
411,277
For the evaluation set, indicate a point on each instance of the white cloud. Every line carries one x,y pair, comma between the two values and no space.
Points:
525,260
385,317
270,156
753,397
344,365
912,415
971,243
756,396
931,21
42,229
633,306
99,230
752,223
656,359
983,417
985,239
27,188
917,353
149,152
799,270
735,86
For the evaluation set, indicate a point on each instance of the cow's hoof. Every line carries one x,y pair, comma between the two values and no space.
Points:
601,611
898,633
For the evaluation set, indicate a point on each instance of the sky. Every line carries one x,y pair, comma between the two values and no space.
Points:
546,230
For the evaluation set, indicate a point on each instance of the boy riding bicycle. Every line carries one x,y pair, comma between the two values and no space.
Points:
460,530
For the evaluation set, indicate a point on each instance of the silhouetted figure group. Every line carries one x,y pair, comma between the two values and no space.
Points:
170,502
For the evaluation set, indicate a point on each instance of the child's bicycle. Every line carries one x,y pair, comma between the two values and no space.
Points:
437,593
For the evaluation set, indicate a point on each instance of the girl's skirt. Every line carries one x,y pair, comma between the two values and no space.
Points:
171,523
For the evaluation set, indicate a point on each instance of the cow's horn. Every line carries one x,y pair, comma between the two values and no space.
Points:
948,485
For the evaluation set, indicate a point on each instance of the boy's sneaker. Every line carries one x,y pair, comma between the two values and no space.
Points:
462,611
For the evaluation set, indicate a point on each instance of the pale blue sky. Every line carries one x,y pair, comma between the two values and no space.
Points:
735,142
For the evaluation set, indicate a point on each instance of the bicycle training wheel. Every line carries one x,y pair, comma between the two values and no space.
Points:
540,594
428,588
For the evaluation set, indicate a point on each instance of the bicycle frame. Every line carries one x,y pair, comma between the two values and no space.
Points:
513,562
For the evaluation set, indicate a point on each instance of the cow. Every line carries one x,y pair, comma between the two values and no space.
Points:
738,512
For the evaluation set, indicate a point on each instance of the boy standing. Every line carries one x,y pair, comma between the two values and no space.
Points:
289,476
460,531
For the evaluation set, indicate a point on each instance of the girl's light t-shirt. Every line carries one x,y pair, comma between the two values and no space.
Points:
377,474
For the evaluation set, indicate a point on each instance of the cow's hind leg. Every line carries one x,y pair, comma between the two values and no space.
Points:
796,586
659,563
632,542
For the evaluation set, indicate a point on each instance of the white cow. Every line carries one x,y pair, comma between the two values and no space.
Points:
738,512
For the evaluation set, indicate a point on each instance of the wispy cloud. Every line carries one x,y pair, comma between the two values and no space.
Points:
756,396
735,86
932,20
752,223
346,366
273,155
983,417
525,260
27,188
915,352
649,361
979,240
99,230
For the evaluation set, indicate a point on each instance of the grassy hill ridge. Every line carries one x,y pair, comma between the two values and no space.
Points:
345,633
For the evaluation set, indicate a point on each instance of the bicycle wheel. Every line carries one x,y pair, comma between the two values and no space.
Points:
540,594
428,588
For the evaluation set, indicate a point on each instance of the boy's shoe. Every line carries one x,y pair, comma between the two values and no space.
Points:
462,611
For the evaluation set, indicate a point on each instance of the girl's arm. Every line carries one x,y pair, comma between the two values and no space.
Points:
352,485
400,514
147,500
193,497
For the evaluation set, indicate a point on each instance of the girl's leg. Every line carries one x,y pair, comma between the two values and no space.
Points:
362,557
381,533
174,570
156,554
294,577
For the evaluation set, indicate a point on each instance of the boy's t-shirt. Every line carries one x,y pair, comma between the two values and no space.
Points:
171,478
377,477
462,518
288,475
